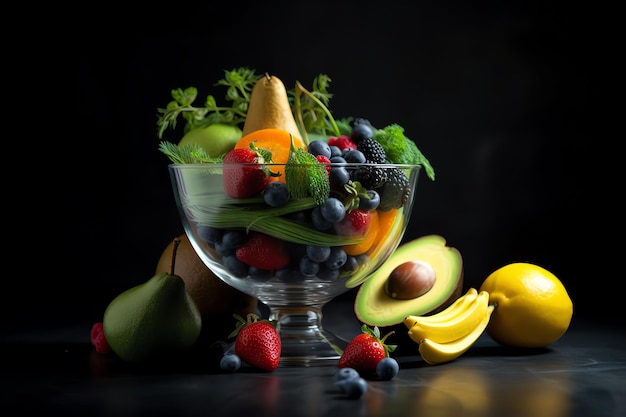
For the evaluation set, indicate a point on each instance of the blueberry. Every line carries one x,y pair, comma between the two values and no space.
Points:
334,151
319,222
337,159
333,210
235,266
318,253
230,362
339,176
308,267
354,156
352,387
223,250
346,373
337,258
387,368
232,239
370,202
276,194
361,131
351,264
209,234
327,274
319,147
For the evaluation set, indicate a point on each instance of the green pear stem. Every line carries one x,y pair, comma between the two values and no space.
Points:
174,249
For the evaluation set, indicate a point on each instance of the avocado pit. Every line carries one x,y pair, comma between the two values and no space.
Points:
410,280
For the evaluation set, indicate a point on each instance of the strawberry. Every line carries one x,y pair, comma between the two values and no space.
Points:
365,351
257,342
263,251
355,223
241,181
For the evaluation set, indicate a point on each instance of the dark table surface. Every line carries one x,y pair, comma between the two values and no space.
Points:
582,374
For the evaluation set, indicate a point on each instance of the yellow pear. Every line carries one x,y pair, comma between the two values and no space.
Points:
269,108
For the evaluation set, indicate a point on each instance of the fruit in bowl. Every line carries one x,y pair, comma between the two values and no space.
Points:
298,211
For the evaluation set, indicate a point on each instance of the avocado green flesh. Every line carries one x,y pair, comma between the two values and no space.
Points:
374,307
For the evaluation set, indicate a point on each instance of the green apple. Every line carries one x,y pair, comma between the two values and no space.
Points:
216,139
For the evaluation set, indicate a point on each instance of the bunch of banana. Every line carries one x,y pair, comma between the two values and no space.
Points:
446,335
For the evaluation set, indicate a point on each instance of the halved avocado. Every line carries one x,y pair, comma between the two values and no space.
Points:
373,306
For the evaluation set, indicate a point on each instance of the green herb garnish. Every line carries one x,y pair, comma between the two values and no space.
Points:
400,149
306,176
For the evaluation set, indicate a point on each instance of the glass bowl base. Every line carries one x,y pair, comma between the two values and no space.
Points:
304,342
324,350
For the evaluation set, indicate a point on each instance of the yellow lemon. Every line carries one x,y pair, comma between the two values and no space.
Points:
533,308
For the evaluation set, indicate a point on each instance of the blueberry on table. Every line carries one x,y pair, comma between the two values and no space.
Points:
230,362
387,368
352,387
346,373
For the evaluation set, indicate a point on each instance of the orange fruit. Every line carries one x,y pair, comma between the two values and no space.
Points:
277,141
386,220
533,308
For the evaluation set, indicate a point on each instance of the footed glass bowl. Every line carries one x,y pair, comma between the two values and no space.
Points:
295,255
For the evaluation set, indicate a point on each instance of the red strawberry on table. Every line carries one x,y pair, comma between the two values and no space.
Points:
365,351
263,251
240,179
257,342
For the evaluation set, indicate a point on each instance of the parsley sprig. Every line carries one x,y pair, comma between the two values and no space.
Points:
239,83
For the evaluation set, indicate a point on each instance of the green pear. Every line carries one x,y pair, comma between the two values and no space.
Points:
153,319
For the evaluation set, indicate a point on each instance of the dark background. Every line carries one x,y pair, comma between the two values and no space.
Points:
510,103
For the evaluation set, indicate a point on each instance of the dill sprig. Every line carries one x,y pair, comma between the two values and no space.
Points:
191,153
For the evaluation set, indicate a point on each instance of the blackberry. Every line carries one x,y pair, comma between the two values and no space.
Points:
373,151
369,176
394,193
359,121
